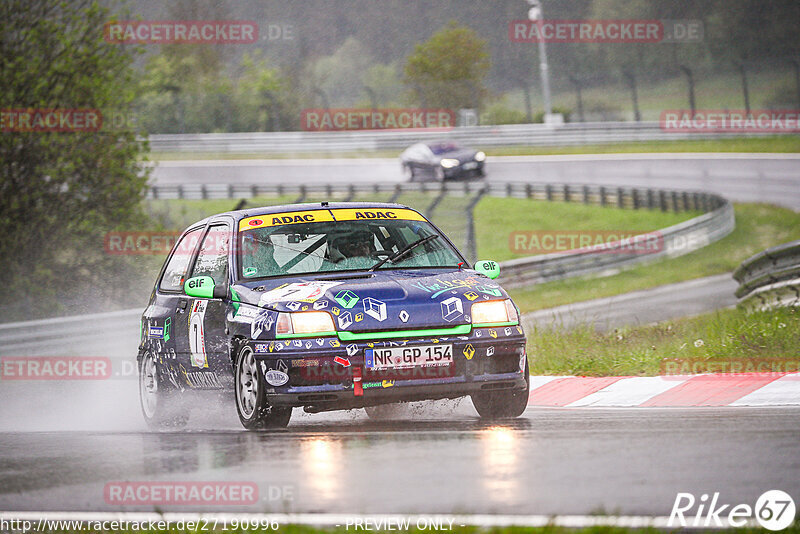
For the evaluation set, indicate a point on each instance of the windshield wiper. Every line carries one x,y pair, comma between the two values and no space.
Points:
403,252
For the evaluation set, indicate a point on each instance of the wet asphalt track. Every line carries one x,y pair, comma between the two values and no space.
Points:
62,443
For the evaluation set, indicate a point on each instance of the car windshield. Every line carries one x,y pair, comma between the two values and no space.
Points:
335,246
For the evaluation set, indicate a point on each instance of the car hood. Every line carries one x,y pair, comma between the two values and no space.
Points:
384,300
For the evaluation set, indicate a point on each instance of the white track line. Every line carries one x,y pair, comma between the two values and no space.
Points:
782,392
343,520
630,391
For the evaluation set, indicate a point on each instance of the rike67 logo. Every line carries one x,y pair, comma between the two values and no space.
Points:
774,510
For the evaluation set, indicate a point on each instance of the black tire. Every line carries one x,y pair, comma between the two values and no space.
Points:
254,410
504,403
161,402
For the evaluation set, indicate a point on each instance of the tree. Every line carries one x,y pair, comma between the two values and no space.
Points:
61,191
449,69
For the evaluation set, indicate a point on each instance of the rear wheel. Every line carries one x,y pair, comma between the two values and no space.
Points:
504,403
384,412
254,410
161,402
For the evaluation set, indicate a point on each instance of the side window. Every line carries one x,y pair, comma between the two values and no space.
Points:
213,257
175,273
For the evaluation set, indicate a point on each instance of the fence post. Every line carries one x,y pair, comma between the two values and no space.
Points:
635,193
566,193
472,251
203,191
302,196
436,201
602,196
398,190
529,190
675,206
585,194
662,200
230,190
548,192
620,198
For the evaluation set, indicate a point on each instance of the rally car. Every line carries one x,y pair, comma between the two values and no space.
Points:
326,306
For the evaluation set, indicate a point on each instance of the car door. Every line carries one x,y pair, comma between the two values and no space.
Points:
207,359
162,319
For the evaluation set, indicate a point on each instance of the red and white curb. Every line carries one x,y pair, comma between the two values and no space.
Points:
749,389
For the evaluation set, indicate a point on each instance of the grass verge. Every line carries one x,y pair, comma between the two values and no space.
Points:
722,341
758,226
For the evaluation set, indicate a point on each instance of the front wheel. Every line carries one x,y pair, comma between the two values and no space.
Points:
251,397
502,404
161,403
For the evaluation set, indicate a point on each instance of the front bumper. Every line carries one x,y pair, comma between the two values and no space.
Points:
469,168
321,370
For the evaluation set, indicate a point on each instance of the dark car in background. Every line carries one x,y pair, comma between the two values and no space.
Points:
441,160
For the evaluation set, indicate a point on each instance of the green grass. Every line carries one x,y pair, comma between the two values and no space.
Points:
497,219
718,340
758,226
772,144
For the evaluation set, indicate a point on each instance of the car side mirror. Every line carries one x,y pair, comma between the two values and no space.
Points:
203,287
488,268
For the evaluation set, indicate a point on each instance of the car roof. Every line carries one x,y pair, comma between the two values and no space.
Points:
238,215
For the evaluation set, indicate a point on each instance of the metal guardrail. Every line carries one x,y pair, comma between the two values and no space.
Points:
770,278
587,133
716,222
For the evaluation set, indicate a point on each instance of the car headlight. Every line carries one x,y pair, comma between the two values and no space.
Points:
312,322
480,156
448,163
494,311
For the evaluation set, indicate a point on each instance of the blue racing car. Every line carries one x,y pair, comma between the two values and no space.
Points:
326,306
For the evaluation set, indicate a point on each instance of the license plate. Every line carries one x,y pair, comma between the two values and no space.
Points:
405,357
470,165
